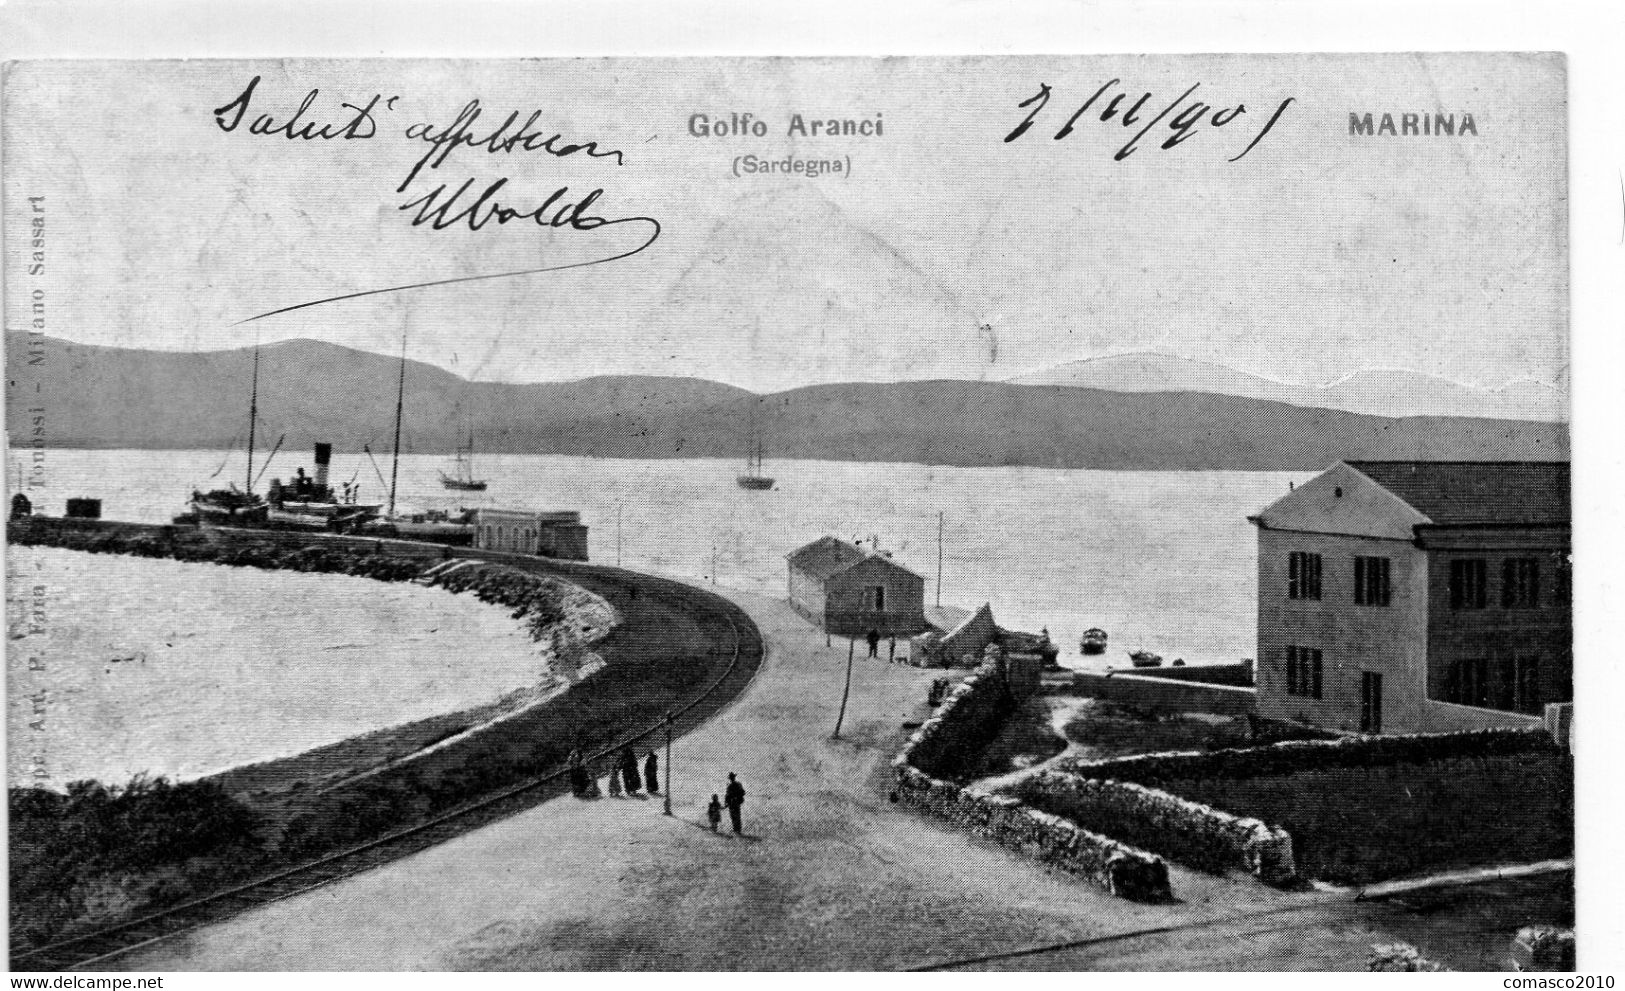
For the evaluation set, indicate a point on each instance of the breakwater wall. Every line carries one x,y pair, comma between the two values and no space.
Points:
551,610
961,726
678,655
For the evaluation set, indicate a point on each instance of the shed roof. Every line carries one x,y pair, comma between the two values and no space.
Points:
1477,493
829,556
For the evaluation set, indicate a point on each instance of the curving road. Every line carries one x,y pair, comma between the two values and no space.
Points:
829,875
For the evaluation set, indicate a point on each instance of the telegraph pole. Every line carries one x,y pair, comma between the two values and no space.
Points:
939,557
617,535
669,721
851,648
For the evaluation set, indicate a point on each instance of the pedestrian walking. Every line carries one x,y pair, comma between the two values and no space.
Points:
891,650
734,799
651,773
614,781
629,771
874,643
578,775
713,812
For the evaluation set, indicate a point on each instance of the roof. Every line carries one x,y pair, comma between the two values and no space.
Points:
829,556
1477,493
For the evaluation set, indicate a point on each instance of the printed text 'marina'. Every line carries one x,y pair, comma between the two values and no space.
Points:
1182,124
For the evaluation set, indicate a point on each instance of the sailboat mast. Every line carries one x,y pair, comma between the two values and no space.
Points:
253,416
400,402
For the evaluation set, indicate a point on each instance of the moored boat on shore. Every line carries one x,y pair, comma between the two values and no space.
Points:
1094,641
226,507
1145,659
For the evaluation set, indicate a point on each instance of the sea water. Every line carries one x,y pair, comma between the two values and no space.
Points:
1163,561
185,669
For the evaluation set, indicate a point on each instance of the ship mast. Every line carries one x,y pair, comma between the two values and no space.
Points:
400,398
253,415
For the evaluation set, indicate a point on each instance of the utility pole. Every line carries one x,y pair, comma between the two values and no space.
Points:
713,564
400,401
669,720
851,648
617,535
253,414
939,557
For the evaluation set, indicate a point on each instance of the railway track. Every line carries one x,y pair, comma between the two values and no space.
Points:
737,639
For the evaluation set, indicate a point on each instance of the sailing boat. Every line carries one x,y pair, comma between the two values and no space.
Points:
464,480
753,477
232,506
435,524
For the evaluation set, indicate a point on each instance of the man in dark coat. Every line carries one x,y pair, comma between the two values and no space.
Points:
629,771
734,799
651,773
874,643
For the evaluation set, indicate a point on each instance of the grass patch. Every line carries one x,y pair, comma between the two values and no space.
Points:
1358,825
1112,729
1025,738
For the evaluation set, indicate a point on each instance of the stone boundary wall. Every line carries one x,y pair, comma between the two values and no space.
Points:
1294,756
970,715
1167,824
1167,695
1233,675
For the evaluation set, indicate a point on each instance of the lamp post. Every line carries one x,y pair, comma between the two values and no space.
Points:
669,721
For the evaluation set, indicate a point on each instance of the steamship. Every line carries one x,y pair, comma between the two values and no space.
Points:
309,503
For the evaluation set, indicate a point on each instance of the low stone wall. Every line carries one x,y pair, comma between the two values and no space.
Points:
1167,695
1448,717
1167,824
1234,675
968,717
1295,756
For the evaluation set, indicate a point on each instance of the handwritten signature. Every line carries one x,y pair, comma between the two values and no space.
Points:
446,206
1182,124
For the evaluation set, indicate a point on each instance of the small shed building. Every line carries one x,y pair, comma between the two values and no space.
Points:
850,591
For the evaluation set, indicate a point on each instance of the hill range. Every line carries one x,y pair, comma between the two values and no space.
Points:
102,397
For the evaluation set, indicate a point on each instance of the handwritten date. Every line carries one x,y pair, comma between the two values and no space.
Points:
1182,124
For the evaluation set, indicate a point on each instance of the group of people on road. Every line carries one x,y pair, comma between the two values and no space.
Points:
873,640
623,775
625,779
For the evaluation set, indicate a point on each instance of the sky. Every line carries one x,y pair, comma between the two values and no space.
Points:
944,252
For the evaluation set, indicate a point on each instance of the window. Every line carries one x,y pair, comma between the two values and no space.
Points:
1371,581
1565,579
1510,684
1520,583
1467,682
1505,690
1467,583
874,598
1529,699
1303,671
1303,575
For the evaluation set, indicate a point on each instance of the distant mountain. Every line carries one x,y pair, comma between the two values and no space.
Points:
110,397
1378,392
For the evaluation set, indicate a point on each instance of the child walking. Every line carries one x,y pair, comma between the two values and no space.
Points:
713,812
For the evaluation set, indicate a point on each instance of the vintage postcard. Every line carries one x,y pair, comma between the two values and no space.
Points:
996,513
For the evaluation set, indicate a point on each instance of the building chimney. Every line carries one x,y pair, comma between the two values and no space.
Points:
324,454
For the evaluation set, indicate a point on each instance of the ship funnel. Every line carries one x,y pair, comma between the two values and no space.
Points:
324,454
